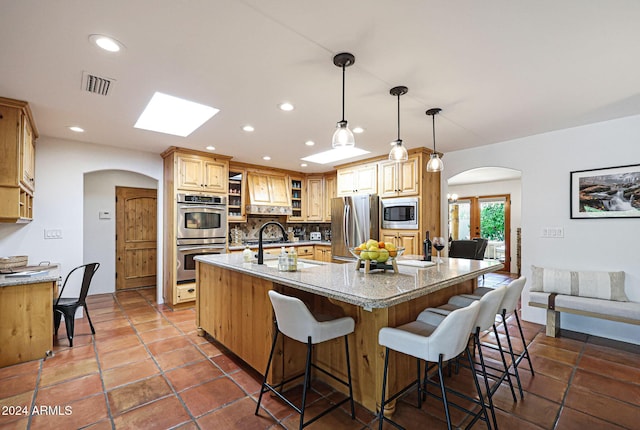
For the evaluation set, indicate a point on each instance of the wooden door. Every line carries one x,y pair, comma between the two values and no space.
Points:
136,237
484,216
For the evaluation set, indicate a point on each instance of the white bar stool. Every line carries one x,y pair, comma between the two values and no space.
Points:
295,321
489,305
509,305
435,338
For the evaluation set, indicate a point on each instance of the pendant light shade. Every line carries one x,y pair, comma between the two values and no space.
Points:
343,137
398,152
435,162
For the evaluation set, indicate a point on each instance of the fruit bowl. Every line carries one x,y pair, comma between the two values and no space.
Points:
377,254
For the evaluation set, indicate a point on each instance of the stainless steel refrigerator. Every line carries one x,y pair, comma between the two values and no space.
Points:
354,220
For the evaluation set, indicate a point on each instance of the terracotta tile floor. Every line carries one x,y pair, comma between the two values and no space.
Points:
147,369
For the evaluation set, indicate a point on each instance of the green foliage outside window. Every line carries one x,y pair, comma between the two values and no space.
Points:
492,221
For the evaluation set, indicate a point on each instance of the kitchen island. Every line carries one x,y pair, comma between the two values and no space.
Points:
234,308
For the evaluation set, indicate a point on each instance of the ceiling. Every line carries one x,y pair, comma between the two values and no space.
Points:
499,70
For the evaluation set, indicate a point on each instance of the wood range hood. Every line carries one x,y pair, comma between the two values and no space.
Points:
269,194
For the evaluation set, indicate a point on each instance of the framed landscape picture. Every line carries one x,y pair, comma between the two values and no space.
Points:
611,192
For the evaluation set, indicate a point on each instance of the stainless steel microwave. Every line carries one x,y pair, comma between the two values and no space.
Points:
400,213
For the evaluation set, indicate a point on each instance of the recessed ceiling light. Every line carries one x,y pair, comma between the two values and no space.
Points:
335,154
358,130
105,42
76,129
248,128
266,157
211,148
173,115
286,106
309,143
303,164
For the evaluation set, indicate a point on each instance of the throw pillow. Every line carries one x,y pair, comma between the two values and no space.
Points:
597,285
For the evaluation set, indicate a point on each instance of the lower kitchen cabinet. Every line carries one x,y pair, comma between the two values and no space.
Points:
323,253
408,239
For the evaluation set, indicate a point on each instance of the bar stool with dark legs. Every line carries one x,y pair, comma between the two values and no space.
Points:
509,305
489,304
294,320
434,339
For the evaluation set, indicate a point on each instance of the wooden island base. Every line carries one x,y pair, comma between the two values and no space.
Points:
234,308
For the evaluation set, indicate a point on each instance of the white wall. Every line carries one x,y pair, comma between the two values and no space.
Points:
99,234
59,195
513,188
545,161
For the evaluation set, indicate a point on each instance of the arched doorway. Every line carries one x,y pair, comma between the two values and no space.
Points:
99,221
485,202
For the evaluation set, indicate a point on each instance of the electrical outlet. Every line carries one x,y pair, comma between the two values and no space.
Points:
53,234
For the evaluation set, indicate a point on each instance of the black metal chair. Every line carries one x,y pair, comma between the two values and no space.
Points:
69,306
482,247
463,249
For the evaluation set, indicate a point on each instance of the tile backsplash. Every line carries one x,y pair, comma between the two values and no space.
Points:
249,230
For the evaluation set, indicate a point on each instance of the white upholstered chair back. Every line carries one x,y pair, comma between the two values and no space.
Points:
511,297
489,307
450,338
297,322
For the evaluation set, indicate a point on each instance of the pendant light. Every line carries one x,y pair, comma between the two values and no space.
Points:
435,163
398,152
343,137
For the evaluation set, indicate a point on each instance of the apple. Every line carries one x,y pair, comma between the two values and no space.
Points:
383,255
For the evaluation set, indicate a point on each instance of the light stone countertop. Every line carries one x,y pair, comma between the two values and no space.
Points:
368,290
281,244
52,274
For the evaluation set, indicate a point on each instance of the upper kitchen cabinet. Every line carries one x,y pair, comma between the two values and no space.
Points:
315,198
399,179
330,191
237,194
297,199
198,173
268,193
17,173
358,179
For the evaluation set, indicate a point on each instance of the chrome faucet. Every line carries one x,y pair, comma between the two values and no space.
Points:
260,250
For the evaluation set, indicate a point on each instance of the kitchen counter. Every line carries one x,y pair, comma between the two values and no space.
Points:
49,274
26,306
279,245
373,290
233,306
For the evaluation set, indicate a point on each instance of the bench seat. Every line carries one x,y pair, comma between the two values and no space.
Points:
626,312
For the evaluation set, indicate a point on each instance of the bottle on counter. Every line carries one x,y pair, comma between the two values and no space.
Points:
426,248
247,254
293,259
283,260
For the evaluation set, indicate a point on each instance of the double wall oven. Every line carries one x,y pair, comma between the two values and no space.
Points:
202,229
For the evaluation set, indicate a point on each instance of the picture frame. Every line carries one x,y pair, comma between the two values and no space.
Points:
610,192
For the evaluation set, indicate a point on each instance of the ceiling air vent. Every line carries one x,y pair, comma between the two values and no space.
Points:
96,84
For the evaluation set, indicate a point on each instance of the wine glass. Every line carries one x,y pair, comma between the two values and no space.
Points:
438,244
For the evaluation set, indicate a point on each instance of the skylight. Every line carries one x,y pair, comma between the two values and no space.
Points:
173,115
335,155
